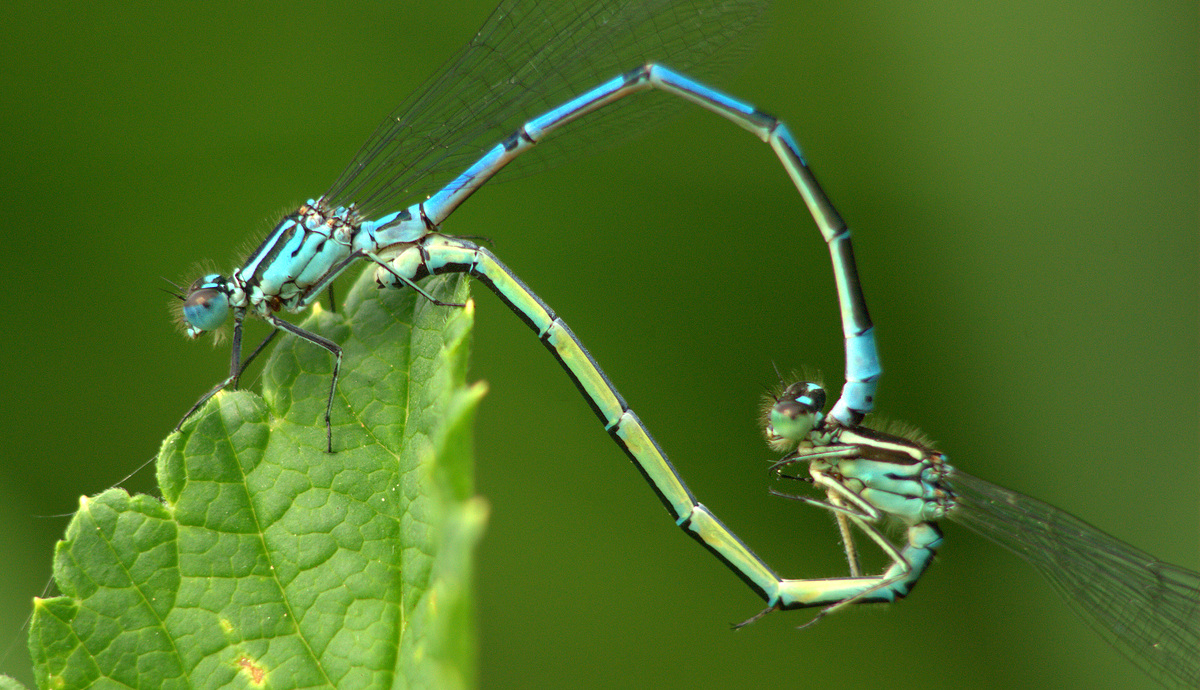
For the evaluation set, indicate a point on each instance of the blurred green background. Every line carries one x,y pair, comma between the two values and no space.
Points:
1023,184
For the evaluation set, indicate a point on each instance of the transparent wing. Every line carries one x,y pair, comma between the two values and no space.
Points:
530,56
1148,609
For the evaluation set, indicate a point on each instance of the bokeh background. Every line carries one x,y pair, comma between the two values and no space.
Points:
1023,184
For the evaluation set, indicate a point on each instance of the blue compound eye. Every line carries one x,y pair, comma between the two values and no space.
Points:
205,309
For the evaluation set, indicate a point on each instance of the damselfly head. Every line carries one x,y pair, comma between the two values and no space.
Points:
793,414
205,307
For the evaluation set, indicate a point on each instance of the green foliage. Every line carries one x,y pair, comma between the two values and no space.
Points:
271,563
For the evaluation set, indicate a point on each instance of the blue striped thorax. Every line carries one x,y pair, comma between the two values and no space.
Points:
308,248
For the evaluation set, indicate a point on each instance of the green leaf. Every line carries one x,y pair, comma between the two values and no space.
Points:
272,563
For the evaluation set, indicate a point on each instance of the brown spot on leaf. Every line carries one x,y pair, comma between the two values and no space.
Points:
257,673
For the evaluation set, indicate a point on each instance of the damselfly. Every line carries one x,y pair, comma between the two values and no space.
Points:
529,55
1148,609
